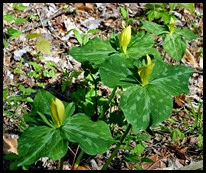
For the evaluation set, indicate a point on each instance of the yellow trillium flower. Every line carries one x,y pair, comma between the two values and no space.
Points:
172,25
57,111
125,38
146,71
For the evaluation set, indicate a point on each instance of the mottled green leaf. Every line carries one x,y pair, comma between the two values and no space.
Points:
187,33
40,141
93,137
42,102
43,46
95,51
33,35
152,104
173,79
174,45
154,28
114,72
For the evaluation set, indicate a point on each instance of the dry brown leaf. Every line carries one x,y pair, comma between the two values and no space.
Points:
180,99
9,145
82,168
89,7
190,58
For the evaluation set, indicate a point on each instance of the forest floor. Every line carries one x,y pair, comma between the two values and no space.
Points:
53,21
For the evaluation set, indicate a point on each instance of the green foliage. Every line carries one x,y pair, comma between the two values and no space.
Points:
14,32
124,12
33,35
19,6
176,134
173,44
84,38
9,17
43,46
20,21
42,140
6,44
188,6
78,36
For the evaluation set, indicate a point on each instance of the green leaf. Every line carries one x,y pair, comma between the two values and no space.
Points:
42,102
172,5
124,12
145,159
189,6
40,141
138,149
19,6
78,36
14,33
20,20
143,106
187,33
131,158
174,45
5,43
69,110
45,120
93,137
94,31
173,79
43,46
142,41
153,14
155,28
95,51
86,39
113,72
9,17
33,35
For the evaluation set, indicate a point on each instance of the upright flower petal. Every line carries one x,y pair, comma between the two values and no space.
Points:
145,71
57,111
125,38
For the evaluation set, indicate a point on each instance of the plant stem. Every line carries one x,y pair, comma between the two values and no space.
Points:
117,148
78,159
61,163
96,100
109,101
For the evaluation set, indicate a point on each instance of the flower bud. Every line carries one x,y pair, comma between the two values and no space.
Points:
146,71
57,111
125,38
172,25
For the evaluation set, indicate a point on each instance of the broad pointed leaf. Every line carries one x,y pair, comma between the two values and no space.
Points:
155,28
187,33
95,51
140,41
173,79
40,141
114,72
174,45
93,137
152,104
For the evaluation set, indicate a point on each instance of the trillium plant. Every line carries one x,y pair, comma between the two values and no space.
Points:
128,61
